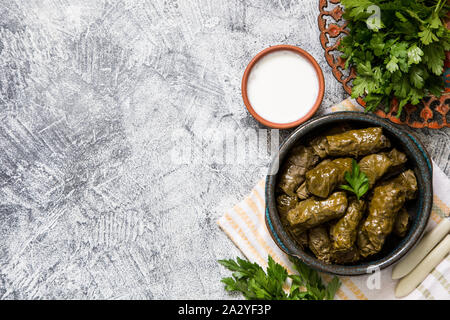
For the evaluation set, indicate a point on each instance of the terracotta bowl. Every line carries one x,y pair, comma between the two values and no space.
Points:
419,209
314,107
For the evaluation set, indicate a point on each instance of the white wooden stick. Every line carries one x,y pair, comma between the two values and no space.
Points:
425,245
407,284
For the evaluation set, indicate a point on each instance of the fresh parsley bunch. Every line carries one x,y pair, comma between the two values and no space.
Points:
255,284
401,55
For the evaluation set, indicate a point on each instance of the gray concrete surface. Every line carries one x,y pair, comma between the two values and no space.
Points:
91,205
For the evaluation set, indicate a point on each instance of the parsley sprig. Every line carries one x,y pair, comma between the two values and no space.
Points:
251,280
358,183
401,57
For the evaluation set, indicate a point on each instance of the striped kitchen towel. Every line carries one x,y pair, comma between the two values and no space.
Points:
245,226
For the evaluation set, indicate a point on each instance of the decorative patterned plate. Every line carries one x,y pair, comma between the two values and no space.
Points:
431,112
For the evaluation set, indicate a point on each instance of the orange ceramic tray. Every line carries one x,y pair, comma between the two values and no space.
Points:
431,112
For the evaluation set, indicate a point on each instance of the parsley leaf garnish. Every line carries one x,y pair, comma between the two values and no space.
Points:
251,280
358,183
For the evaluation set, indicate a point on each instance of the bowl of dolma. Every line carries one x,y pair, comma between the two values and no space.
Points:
310,216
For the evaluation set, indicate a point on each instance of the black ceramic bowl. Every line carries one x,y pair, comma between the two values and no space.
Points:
419,209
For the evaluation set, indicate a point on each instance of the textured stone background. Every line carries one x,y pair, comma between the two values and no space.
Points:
90,92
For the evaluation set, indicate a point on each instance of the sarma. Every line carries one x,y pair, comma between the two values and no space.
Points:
363,242
320,244
377,164
301,237
302,192
387,199
300,160
320,144
312,212
408,181
284,204
343,232
351,143
346,256
397,158
401,223
324,178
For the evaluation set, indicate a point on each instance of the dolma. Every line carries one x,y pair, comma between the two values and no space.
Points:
320,146
320,244
407,180
397,158
284,204
312,212
351,143
401,223
301,237
300,160
302,192
343,232
323,179
387,200
346,256
320,143
363,242
378,164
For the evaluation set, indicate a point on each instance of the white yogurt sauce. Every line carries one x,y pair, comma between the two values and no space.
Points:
282,86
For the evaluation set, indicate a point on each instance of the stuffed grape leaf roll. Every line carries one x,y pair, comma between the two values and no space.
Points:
324,178
302,192
387,200
320,143
378,164
320,244
301,237
312,212
407,180
299,161
320,146
346,256
354,143
343,232
401,223
284,204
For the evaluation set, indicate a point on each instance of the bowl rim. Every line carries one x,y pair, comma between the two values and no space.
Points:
408,140
253,62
